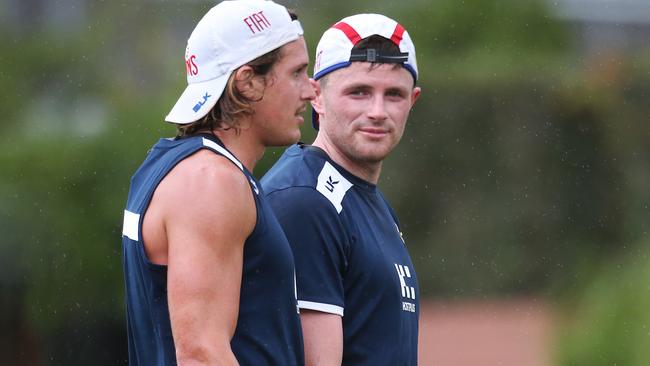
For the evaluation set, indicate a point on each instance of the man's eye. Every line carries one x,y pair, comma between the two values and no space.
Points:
300,71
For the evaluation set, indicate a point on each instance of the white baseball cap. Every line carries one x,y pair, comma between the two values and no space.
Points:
230,35
334,50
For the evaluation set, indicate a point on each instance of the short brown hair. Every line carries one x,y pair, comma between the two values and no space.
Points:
233,104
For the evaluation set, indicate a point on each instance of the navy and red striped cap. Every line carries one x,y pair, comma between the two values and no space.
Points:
334,50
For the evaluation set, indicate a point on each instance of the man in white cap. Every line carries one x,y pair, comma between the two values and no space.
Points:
357,288
209,274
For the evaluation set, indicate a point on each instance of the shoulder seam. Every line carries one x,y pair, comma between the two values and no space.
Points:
306,187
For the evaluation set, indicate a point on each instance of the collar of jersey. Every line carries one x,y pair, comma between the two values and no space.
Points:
317,151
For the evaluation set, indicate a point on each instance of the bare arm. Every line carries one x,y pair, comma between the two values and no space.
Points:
323,338
209,212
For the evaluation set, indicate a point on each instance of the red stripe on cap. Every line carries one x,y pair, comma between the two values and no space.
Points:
349,32
397,34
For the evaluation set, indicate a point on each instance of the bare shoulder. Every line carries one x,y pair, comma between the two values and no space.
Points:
207,188
203,167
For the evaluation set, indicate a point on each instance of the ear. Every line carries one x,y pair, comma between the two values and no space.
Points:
415,95
248,83
317,102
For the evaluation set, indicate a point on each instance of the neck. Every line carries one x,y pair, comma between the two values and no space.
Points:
243,145
366,170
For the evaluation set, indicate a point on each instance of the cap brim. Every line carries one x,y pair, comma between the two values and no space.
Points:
197,100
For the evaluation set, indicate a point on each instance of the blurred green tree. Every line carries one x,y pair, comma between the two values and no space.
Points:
608,322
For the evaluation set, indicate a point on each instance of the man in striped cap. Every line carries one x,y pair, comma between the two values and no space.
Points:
357,288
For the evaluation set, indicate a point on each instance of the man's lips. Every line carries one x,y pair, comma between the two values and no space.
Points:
377,131
299,114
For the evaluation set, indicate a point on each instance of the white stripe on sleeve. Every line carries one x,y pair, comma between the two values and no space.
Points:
325,308
130,227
